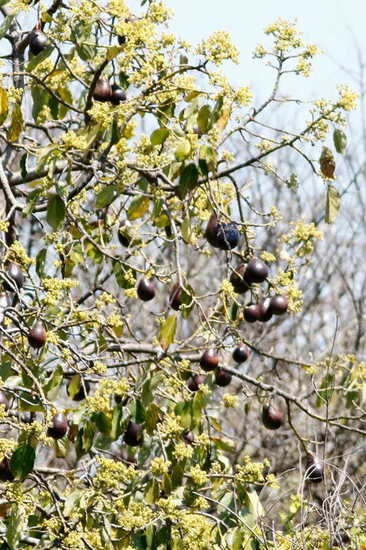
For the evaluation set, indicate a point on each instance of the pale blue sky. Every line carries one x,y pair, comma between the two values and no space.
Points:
334,25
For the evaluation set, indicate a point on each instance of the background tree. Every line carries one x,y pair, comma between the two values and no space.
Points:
158,240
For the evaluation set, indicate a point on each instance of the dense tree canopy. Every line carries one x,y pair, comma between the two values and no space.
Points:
158,391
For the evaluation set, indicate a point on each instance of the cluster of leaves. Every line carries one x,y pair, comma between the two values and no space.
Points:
98,196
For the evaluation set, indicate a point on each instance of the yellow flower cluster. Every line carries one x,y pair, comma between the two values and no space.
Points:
227,288
72,140
243,96
268,257
303,237
198,476
112,474
16,6
102,113
6,446
4,225
197,531
16,253
101,401
230,401
286,35
253,472
171,426
104,299
347,98
159,13
85,10
55,288
136,515
159,466
182,451
118,8
218,48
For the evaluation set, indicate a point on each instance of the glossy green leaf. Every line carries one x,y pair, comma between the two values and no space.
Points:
113,51
22,461
65,95
159,136
116,426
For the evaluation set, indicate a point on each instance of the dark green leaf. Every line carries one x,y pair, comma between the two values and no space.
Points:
87,437
234,311
152,492
203,166
115,135
153,414
124,80
40,261
140,415
55,211
106,196
184,411
54,105
22,461
102,422
23,165
116,427
188,180
123,279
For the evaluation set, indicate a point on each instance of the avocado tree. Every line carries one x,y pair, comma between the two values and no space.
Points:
140,275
